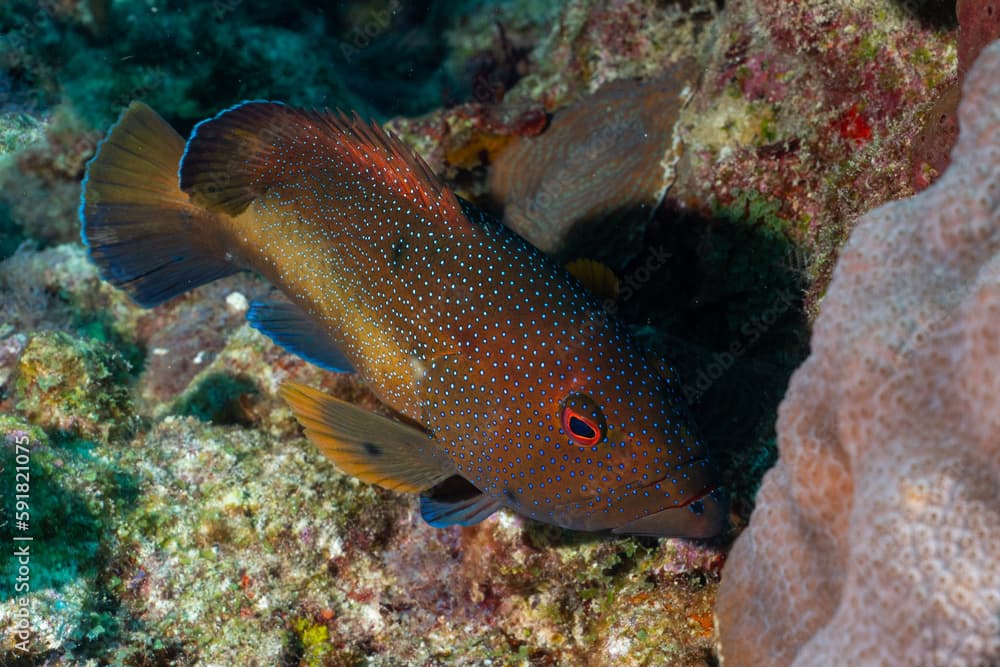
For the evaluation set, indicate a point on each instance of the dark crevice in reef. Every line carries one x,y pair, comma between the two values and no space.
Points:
726,310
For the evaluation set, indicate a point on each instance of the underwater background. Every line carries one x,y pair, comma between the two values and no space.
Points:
716,155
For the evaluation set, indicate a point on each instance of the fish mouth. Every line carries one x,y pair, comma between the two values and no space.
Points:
702,517
697,508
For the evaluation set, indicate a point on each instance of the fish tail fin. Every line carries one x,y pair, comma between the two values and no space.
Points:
141,230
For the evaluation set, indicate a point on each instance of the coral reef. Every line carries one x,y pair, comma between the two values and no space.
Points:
179,517
75,493
822,133
876,538
811,107
224,545
74,386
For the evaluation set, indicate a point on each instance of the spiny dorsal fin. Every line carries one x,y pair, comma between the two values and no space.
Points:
235,157
373,448
596,277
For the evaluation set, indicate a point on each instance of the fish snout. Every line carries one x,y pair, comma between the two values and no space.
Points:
706,516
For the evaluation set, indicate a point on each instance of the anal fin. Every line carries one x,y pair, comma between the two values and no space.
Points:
456,501
375,449
293,329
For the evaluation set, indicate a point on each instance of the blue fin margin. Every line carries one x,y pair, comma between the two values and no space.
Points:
293,329
464,512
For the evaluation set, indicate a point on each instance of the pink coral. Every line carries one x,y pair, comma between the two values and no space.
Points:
876,538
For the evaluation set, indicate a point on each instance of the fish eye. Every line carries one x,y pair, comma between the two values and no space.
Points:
582,420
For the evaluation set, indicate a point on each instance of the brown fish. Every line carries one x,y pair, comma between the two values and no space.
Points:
529,396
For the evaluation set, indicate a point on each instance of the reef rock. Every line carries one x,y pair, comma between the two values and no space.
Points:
876,538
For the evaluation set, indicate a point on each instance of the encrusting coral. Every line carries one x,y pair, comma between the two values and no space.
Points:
74,385
876,538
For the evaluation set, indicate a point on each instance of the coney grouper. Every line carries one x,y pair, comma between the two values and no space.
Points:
527,394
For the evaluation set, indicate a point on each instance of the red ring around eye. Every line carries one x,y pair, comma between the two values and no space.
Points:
582,429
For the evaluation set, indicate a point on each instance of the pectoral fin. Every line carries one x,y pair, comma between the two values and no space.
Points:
456,501
596,277
373,448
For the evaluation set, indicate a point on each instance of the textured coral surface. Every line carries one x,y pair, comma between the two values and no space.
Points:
876,538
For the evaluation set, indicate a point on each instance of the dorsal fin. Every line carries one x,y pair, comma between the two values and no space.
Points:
238,155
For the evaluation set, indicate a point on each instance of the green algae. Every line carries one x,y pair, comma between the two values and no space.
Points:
74,385
217,398
315,642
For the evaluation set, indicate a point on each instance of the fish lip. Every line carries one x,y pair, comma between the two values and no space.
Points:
686,464
708,489
712,520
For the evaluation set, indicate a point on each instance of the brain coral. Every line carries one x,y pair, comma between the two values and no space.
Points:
876,538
